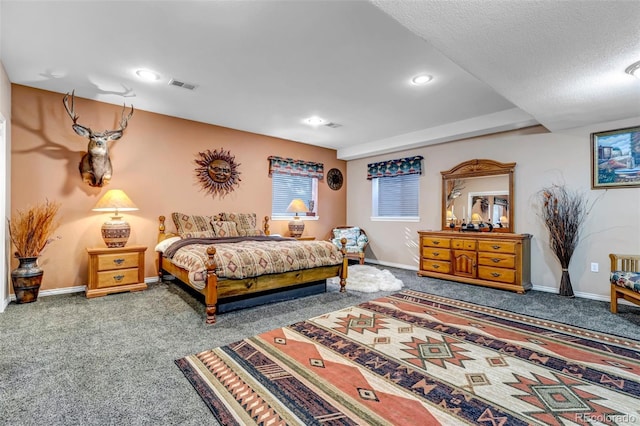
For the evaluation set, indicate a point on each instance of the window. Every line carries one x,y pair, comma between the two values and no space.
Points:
396,188
291,179
285,188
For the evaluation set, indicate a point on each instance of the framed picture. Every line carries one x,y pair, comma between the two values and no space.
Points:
615,158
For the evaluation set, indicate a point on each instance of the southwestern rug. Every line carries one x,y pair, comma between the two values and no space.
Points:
416,359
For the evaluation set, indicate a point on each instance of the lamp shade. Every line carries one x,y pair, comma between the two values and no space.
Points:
115,232
114,200
297,206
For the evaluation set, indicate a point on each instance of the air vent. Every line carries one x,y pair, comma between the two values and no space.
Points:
333,125
184,85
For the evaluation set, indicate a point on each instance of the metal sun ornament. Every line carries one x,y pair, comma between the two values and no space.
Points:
217,172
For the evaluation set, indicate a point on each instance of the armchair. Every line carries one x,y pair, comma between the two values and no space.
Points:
624,278
357,241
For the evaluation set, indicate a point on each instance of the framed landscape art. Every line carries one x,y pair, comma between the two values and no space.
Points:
615,158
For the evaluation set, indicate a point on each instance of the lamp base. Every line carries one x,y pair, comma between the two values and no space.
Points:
296,227
115,232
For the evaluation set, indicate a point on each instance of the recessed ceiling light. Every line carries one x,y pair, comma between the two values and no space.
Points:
634,69
315,121
421,79
148,75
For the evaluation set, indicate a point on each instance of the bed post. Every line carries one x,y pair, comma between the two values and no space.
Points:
345,265
266,226
161,229
211,289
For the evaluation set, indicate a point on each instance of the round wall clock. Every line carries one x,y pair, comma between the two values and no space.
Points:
334,179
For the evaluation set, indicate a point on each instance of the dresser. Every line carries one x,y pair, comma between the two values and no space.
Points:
113,270
499,260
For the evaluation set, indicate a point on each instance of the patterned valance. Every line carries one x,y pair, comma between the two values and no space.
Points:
289,166
393,168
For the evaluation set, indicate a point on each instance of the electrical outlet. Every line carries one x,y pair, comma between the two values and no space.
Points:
594,267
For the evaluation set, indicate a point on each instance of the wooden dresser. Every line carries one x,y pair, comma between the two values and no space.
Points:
500,260
113,270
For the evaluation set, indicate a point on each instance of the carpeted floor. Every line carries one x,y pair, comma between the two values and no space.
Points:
69,360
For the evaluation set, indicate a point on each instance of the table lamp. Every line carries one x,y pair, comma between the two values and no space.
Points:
296,226
115,232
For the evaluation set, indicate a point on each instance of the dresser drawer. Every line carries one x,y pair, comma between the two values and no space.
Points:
497,274
117,277
436,266
436,242
108,262
463,244
497,259
497,246
436,253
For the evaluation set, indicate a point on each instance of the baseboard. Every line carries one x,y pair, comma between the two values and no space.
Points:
5,303
393,265
70,290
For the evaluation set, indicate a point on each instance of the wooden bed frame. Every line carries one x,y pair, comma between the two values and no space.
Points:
217,289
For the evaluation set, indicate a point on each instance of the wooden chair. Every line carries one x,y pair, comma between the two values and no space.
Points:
357,241
624,279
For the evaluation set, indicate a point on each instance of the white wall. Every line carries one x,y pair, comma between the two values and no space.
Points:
613,224
5,189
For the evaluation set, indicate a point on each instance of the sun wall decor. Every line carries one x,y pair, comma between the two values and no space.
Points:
217,172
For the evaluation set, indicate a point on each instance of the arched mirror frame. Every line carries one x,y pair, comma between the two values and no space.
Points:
479,168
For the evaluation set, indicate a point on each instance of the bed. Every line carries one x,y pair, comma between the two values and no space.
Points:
224,257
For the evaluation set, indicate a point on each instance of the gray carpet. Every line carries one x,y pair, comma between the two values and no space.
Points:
68,360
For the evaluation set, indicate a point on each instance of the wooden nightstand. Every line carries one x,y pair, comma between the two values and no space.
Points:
113,270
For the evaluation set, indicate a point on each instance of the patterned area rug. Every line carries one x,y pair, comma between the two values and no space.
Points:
418,359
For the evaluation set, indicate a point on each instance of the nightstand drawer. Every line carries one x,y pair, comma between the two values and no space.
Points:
117,277
117,261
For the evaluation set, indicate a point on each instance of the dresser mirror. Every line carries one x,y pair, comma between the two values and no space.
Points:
478,192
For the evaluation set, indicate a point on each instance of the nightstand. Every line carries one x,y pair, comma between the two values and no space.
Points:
113,270
305,238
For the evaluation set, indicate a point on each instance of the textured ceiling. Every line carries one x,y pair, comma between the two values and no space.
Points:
264,66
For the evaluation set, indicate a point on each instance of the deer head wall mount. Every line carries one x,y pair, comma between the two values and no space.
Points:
95,166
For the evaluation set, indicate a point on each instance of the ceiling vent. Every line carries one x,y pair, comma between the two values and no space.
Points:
333,125
184,85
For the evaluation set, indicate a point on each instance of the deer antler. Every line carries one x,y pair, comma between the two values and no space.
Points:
125,121
71,110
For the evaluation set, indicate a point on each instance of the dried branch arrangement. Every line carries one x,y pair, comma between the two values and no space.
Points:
31,230
563,212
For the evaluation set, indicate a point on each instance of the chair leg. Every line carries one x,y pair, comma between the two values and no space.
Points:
361,258
614,299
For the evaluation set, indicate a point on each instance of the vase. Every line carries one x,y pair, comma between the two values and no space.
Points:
26,279
565,284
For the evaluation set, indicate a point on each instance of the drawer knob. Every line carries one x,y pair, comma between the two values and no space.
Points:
495,274
436,242
495,247
435,253
118,277
119,261
494,260
436,266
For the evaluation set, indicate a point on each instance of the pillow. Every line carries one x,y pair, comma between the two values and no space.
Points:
351,234
199,234
245,223
164,244
191,224
223,228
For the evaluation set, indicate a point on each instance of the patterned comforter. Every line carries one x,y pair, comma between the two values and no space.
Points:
247,257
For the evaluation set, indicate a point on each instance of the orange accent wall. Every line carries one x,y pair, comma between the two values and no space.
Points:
153,163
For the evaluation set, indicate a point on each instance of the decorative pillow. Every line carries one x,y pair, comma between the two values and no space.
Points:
199,234
223,228
245,223
351,234
191,224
